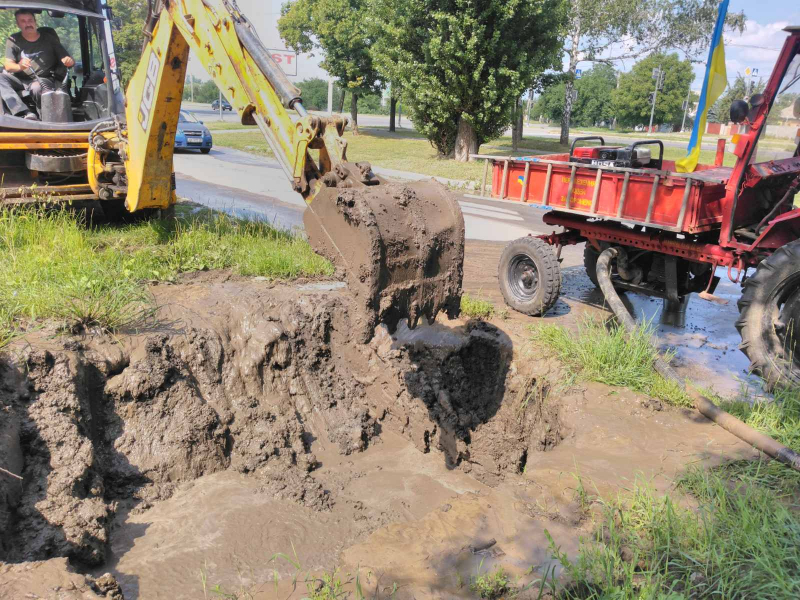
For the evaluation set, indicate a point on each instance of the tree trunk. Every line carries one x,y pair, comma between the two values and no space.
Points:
354,112
340,104
466,141
520,123
392,112
570,85
515,114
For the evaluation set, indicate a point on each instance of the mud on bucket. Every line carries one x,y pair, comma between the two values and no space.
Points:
401,246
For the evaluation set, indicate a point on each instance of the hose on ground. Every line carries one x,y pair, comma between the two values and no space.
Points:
756,439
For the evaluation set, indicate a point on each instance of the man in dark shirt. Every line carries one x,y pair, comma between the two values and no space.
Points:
32,58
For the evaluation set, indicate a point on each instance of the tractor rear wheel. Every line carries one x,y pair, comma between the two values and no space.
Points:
530,276
769,320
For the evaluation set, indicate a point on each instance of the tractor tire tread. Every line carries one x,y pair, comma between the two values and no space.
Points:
761,351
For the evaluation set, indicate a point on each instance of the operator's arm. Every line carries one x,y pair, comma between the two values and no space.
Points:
63,55
12,63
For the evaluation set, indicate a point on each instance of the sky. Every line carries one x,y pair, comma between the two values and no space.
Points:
757,47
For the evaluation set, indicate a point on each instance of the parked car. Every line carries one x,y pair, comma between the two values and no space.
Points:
225,105
192,134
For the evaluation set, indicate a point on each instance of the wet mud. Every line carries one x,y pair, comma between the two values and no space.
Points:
249,420
400,245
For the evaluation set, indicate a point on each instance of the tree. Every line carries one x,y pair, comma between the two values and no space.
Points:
339,28
462,65
315,93
612,30
129,38
595,103
551,102
632,103
739,90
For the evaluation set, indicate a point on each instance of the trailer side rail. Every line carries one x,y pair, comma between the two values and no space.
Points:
657,175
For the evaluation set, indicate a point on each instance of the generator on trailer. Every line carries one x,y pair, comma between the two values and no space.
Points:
673,231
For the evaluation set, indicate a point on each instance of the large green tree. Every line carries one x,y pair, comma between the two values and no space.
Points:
128,39
339,29
632,102
612,30
595,102
462,65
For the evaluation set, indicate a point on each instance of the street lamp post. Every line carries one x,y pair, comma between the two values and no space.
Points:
658,75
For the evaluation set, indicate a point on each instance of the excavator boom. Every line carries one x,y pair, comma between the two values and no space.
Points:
401,246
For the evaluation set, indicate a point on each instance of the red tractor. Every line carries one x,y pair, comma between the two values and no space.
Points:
674,230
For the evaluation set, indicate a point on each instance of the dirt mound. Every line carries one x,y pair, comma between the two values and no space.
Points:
254,383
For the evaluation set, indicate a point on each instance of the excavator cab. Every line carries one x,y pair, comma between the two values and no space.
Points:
45,158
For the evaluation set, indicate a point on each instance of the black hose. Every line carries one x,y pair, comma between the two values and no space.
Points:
744,432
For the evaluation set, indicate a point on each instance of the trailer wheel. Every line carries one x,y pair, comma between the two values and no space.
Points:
590,256
530,277
769,320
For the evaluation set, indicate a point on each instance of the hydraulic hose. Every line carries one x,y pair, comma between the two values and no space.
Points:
744,432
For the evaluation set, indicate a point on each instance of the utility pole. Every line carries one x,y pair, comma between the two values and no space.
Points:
330,95
191,85
658,75
614,121
685,109
220,105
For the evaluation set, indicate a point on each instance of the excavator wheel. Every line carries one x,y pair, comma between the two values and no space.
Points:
401,246
769,320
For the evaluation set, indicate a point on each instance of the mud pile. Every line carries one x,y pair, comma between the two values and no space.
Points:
251,384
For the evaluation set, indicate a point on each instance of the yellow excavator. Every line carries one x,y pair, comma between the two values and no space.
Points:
401,246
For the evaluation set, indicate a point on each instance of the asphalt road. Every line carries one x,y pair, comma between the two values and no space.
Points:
244,184
204,113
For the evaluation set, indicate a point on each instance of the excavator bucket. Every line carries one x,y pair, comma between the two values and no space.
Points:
401,246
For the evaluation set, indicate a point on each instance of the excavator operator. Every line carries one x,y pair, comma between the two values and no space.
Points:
33,62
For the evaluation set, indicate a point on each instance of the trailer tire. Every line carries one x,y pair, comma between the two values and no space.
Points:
590,256
769,318
530,276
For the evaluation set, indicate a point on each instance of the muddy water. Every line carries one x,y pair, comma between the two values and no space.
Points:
706,347
249,423
403,516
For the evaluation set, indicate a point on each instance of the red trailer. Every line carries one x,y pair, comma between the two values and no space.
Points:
673,229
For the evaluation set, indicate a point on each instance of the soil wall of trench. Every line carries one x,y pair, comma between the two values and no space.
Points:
94,427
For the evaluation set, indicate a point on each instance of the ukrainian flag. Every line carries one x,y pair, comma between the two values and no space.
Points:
715,83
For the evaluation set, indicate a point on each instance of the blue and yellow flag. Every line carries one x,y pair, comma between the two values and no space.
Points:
714,84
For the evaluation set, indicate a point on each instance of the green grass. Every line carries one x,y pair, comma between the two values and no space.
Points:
737,540
492,585
409,151
251,141
214,124
475,308
604,352
53,266
779,418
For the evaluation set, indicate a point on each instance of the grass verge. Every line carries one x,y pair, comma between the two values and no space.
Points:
475,308
604,352
53,265
741,541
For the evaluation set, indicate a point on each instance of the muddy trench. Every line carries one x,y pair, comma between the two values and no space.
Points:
98,428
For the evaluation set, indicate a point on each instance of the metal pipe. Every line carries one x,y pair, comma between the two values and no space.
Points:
287,92
708,409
